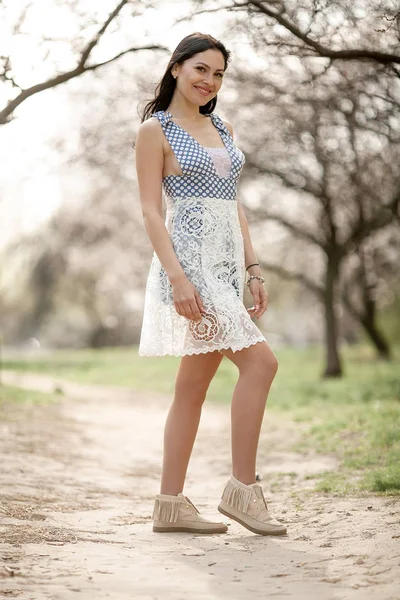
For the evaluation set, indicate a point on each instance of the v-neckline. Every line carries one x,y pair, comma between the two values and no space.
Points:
203,148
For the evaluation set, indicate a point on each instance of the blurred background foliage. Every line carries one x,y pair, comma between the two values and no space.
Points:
313,93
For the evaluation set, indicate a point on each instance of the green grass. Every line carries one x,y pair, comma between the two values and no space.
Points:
357,417
364,434
118,366
13,394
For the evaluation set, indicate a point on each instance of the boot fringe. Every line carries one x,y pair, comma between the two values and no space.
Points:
166,510
236,496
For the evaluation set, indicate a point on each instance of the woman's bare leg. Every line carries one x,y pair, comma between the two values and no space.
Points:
191,384
257,368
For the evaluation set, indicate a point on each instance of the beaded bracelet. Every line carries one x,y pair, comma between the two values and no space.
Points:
253,265
255,277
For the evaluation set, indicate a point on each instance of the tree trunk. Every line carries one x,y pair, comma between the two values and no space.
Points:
333,366
376,337
367,319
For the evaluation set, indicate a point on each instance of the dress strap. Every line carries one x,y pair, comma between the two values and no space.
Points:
216,119
179,140
163,116
219,124
223,130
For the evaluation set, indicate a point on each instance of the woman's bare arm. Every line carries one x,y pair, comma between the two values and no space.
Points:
149,167
249,253
260,295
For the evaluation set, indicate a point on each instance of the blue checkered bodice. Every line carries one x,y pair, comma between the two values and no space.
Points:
199,177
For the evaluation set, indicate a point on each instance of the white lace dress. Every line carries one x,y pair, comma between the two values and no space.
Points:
203,223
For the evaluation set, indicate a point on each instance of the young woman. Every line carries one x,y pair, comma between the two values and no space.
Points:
194,294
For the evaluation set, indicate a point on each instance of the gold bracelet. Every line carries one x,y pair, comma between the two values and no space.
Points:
259,277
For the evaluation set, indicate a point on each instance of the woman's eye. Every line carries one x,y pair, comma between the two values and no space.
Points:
203,69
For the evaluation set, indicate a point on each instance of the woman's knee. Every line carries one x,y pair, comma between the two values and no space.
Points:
267,366
273,363
261,361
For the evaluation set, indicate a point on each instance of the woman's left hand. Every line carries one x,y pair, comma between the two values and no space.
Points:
260,297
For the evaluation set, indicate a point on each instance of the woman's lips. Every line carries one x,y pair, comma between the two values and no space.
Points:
202,91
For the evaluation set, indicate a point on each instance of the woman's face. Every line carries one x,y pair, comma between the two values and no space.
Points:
199,78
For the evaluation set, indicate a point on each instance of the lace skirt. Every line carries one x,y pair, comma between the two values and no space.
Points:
208,242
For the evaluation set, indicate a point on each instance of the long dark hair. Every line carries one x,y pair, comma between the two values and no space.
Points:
190,45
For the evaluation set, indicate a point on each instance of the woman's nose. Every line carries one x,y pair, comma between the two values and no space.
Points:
208,79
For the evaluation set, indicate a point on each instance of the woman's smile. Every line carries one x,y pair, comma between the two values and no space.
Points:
203,91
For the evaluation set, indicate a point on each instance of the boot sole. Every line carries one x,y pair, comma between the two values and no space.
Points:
249,527
188,530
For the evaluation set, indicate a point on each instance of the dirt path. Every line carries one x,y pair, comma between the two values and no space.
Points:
77,486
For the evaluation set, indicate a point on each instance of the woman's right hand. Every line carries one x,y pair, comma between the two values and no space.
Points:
187,300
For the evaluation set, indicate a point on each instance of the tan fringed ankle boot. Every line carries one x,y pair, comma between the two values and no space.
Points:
246,505
178,513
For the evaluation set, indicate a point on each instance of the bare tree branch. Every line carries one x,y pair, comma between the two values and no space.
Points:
82,67
284,177
298,230
290,276
385,58
365,227
6,70
97,37
391,20
320,49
